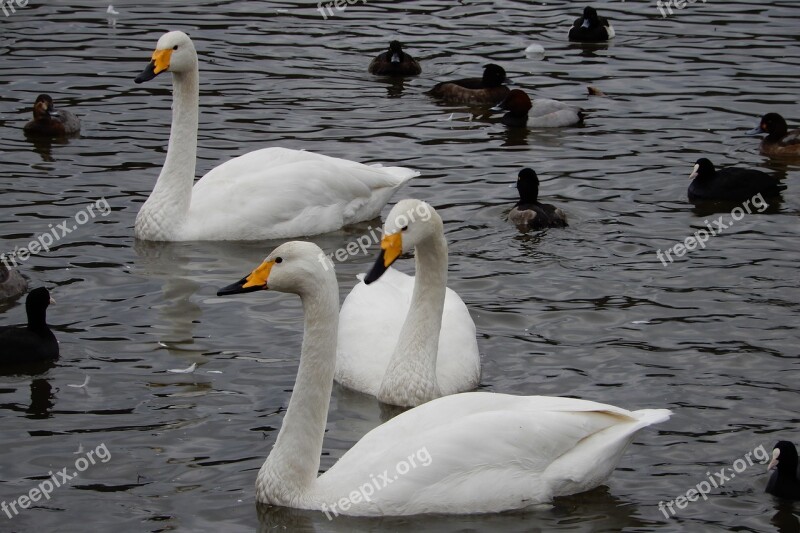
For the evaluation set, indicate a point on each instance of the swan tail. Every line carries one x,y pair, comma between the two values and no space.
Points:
648,417
402,174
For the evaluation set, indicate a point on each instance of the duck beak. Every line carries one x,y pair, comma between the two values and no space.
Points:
756,131
158,64
774,463
391,248
255,281
585,23
52,301
693,175
499,107
395,58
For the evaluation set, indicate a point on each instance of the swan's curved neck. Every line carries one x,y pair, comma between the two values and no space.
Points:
410,378
292,466
166,208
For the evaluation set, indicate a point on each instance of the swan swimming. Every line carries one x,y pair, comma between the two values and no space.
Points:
407,340
487,452
266,194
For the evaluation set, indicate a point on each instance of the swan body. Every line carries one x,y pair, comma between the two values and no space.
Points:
369,329
265,194
473,452
401,343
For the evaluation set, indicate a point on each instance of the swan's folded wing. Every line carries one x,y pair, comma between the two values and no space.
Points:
482,452
281,193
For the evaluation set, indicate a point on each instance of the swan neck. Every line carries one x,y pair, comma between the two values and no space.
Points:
294,461
169,202
410,378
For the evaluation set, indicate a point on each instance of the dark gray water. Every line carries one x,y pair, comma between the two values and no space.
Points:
588,311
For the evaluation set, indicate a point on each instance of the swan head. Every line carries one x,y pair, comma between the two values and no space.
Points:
295,267
174,53
409,224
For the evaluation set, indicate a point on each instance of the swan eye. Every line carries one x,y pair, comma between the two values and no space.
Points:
279,259
175,47
404,228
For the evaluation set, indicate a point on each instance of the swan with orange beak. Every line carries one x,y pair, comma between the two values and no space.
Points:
407,340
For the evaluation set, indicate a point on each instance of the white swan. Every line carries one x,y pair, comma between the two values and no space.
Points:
475,452
269,193
407,340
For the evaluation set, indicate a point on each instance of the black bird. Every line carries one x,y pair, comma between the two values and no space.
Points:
529,213
33,343
730,183
785,480
394,62
591,28
488,89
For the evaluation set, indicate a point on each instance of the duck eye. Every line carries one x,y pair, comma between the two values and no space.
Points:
279,259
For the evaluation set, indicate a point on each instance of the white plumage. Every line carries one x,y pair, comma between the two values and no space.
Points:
474,452
265,194
401,346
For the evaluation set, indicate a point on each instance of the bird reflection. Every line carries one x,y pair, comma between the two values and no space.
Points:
41,399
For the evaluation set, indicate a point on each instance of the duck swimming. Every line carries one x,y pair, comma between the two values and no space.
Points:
477,452
408,339
541,113
591,28
34,342
394,62
779,142
265,194
12,284
486,90
730,183
49,121
785,480
529,213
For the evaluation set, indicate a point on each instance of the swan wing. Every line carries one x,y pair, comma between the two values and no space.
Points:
280,193
483,452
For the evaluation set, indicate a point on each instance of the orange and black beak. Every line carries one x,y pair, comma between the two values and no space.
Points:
391,248
158,64
254,281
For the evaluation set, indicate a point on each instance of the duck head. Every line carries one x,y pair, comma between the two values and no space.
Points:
773,124
703,169
493,75
528,186
396,51
590,18
517,102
